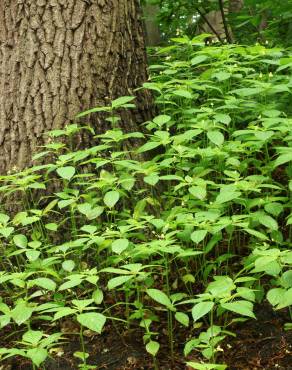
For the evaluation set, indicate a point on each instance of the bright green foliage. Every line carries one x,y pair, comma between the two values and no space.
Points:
161,234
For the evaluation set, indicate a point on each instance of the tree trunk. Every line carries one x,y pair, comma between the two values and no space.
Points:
218,19
153,37
235,6
59,57
212,23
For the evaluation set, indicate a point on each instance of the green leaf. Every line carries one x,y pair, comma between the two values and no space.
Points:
286,301
263,135
70,284
32,336
190,345
81,304
274,209
246,293
6,231
4,320
179,40
120,245
289,220
4,218
97,296
160,297
127,182
282,159
37,355
32,255
287,257
152,347
90,229
92,320
216,137
222,286
81,355
201,309
286,279
158,223
44,283
256,234
244,279
111,198
248,91
65,203
222,76
198,235
182,318
21,313
51,226
183,93
149,146
226,195
268,264
66,172
213,242
275,296
243,308
199,192
20,240
161,120
198,59
89,212
50,206
113,270
222,118
198,366
117,281
151,179
93,110
122,101
37,185
68,265
268,221
63,312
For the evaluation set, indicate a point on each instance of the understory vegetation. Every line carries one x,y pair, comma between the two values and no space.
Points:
181,236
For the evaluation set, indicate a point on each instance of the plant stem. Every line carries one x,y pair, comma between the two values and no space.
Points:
211,322
169,313
225,24
82,345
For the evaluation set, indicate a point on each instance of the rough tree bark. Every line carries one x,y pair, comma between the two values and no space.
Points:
59,57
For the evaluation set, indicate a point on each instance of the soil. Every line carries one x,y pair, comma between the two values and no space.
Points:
259,344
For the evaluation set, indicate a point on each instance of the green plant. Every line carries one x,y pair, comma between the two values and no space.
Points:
194,222
36,345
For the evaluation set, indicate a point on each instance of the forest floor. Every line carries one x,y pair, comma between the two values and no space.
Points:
259,344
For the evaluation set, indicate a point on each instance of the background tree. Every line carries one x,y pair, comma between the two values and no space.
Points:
153,37
240,21
59,57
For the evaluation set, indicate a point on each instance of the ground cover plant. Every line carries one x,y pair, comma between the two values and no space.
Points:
181,236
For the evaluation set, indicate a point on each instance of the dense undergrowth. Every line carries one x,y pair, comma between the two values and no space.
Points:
191,237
